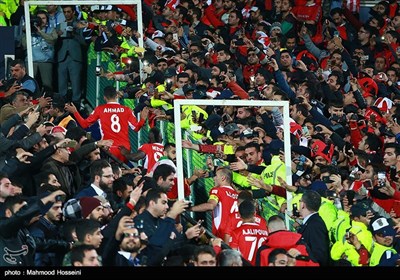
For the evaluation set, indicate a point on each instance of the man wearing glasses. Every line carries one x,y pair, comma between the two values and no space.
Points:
129,248
102,180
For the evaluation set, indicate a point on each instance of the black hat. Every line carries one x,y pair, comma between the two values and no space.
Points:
302,150
231,128
212,121
387,132
188,87
265,73
170,72
221,66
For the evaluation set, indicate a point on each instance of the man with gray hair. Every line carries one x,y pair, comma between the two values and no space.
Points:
230,257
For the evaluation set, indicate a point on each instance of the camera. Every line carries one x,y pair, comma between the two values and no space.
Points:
220,79
35,22
60,198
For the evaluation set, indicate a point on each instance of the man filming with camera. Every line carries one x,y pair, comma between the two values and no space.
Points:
43,40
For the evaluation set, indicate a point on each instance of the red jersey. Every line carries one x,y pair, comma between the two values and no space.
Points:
235,221
308,12
247,239
114,122
353,5
226,197
153,151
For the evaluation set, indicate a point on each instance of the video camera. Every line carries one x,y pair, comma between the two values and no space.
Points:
35,22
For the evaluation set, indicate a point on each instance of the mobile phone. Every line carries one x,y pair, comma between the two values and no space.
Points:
294,62
89,135
300,164
350,194
396,208
327,179
274,39
349,148
70,144
239,42
364,57
175,36
302,159
318,128
398,49
295,211
98,70
367,184
151,88
305,131
381,179
336,33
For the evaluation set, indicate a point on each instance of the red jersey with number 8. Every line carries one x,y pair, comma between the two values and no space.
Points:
114,121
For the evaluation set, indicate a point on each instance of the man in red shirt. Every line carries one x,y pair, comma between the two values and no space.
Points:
114,120
222,201
151,152
248,237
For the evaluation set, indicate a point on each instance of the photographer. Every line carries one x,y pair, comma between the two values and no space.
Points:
20,80
43,40
69,55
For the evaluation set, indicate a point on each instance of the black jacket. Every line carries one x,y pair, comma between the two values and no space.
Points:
17,245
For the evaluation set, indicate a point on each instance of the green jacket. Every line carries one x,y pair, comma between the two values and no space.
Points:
378,251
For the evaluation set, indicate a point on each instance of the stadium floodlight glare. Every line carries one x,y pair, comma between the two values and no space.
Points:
238,103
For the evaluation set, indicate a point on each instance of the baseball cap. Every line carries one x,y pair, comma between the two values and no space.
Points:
380,225
58,128
158,34
231,128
